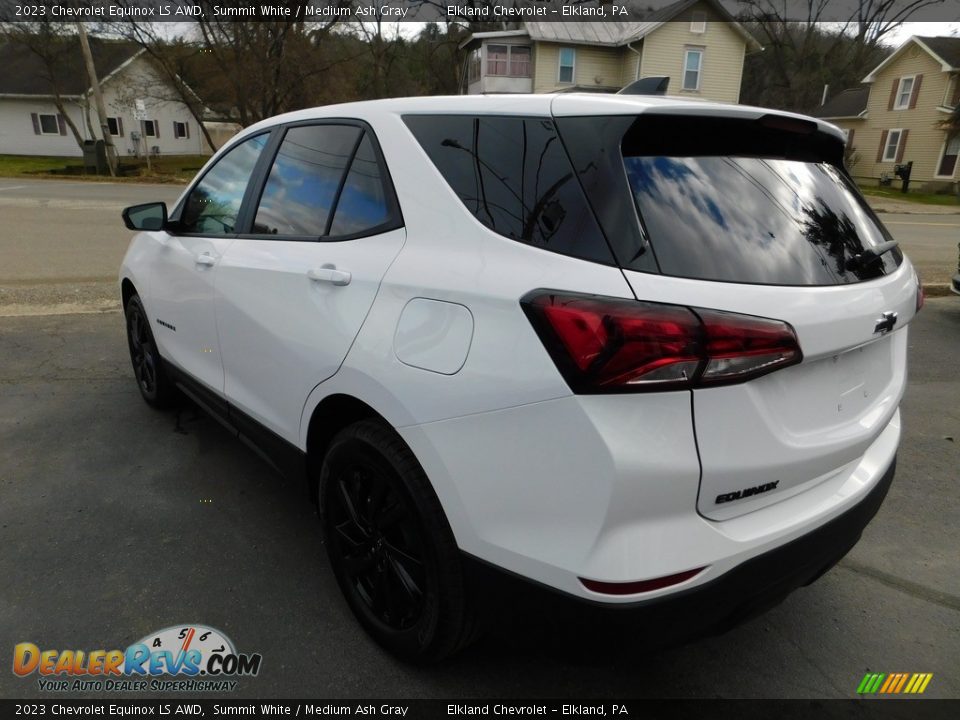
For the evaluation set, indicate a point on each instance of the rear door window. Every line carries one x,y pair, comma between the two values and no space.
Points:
305,180
514,176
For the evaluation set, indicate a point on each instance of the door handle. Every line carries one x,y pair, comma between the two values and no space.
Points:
205,259
330,274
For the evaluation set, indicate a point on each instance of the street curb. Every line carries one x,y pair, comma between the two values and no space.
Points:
936,289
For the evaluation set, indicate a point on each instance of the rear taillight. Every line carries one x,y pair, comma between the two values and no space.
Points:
602,344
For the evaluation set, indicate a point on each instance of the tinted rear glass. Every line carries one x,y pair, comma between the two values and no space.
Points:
514,176
756,220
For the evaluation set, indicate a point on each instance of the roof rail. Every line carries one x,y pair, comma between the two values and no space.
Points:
647,86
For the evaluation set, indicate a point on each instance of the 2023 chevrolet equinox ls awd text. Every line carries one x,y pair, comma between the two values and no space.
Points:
637,352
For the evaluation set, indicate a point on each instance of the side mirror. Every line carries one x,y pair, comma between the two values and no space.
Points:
149,216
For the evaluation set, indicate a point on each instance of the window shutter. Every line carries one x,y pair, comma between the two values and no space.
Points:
850,137
156,129
61,125
956,91
120,126
175,133
916,91
186,126
903,145
883,144
893,93
36,123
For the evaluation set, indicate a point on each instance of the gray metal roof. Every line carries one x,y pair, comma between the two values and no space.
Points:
615,33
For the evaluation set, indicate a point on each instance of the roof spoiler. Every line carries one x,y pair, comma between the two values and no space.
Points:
647,86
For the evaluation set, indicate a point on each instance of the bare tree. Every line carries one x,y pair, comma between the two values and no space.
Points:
808,43
175,61
49,42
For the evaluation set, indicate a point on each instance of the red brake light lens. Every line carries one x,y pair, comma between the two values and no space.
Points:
612,345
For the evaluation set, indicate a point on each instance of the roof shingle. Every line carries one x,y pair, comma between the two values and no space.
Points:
24,72
845,104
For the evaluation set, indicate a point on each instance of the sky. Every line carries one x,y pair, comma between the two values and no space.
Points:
923,28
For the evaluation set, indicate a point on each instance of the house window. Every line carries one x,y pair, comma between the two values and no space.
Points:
892,146
903,93
692,65
698,23
508,60
497,56
49,125
568,59
949,161
150,128
519,61
181,129
473,68
115,126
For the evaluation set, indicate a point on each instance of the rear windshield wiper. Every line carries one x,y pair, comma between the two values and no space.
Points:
870,255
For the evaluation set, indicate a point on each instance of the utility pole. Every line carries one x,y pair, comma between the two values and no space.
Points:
98,98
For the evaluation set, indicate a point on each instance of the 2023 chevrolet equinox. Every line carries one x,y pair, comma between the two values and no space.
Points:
637,352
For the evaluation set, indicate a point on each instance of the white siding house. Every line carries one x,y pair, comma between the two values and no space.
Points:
30,123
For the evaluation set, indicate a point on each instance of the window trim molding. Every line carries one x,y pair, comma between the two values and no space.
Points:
896,148
701,22
687,49
485,62
56,123
942,154
900,82
560,65
261,174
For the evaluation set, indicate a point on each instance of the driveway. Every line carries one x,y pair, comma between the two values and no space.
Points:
117,520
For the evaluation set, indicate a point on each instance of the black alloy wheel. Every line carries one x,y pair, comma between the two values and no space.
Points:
390,545
154,385
380,544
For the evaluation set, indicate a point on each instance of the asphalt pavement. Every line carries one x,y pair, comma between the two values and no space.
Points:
117,520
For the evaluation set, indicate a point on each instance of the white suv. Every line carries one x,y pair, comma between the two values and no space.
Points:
631,352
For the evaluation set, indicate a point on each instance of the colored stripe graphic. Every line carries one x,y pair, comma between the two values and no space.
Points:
894,683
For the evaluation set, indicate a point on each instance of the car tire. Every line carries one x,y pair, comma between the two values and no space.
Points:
391,547
152,379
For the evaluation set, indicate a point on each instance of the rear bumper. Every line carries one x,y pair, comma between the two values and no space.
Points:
715,606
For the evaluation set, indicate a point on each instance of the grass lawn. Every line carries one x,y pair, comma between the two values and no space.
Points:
917,197
166,168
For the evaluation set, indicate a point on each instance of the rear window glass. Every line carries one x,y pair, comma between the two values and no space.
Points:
756,220
514,176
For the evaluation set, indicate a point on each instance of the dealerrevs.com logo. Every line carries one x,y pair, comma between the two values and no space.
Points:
184,658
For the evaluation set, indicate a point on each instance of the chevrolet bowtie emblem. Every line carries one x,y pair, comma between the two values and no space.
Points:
885,323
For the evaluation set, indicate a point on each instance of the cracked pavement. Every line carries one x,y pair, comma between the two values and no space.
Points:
104,538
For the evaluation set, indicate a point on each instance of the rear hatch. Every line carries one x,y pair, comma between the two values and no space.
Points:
753,214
